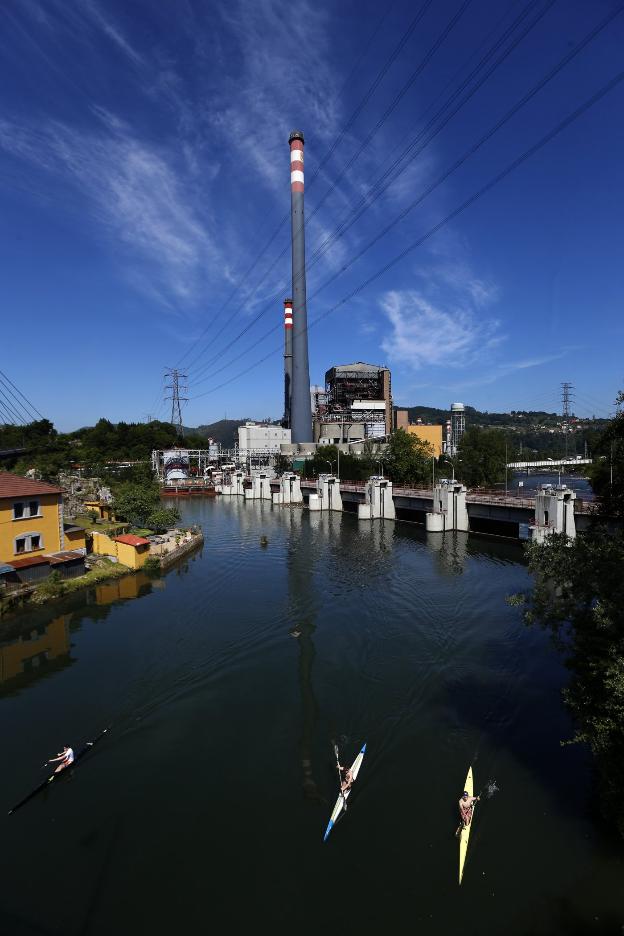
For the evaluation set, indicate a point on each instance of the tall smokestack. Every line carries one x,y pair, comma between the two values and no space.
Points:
288,330
300,411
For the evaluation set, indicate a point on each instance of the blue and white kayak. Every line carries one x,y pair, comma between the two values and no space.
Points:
355,769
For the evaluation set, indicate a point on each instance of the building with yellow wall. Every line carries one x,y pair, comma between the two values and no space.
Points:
31,518
430,434
130,550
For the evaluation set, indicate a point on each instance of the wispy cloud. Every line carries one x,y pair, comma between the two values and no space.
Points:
134,190
423,334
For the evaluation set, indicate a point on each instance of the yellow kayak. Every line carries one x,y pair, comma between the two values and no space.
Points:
465,832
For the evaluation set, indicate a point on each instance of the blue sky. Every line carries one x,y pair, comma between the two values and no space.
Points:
144,166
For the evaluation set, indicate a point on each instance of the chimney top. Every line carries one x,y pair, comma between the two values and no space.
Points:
296,135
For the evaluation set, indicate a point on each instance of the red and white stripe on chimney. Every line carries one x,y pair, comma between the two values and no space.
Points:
288,313
296,165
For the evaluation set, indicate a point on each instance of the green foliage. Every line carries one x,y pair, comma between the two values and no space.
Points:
607,472
151,567
52,587
407,459
481,457
136,502
282,464
352,467
579,597
162,519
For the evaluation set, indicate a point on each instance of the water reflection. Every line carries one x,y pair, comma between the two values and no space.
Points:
32,646
450,550
33,650
302,602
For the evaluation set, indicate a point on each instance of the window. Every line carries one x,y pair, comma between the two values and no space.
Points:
22,509
28,542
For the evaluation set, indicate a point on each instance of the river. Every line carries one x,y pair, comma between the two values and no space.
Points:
225,682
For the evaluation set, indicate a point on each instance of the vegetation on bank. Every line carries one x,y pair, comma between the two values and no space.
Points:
50,451
56,587
579,597
138,502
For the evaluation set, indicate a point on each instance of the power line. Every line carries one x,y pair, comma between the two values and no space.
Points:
32,408
496,180
355,114
364,202
445,175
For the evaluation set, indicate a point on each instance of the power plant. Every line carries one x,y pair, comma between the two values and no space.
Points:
356,406
300,410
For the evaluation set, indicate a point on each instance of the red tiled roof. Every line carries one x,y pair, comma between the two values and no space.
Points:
31,561
13,486
131,540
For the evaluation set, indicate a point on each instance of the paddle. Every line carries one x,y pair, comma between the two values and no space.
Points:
337,755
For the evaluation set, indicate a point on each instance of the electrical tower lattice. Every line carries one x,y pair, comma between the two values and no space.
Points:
176,387
566,400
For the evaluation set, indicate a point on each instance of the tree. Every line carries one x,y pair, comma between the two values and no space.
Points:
579,597
162,519
408,458
136,502
607,472
481,457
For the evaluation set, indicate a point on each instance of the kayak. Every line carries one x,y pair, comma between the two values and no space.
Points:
465,832
355,769
80,753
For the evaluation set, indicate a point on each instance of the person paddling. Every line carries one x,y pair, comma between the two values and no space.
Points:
346,780
466,807
66,758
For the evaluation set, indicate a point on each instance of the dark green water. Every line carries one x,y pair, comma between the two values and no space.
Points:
204,809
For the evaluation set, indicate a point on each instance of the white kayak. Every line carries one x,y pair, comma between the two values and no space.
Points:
355,769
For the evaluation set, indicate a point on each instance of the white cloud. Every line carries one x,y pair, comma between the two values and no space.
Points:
423,334
134,190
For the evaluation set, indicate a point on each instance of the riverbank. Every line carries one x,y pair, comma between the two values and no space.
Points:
102,570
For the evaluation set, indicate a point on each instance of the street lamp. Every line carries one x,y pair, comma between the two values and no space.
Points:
379,462
330,463
449,462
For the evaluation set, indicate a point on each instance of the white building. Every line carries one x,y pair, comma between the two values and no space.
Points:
258,437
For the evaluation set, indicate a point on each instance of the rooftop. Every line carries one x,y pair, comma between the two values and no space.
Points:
131,540
13,486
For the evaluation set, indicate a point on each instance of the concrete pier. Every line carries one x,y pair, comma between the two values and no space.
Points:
449,508
378,503
289,490
234,487
260,487
327,495
554,512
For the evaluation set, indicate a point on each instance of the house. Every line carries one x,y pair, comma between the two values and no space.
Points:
31,518
130,550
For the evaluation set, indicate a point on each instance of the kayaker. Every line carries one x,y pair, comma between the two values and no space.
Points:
466,806
66,758
346,778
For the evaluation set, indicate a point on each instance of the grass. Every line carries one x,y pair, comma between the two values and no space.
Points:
102,526
57,587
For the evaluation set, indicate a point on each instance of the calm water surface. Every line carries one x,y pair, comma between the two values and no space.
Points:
225,683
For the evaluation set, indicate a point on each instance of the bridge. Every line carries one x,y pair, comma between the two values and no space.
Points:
488,511
551,463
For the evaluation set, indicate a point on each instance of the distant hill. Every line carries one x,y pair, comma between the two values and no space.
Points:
224,431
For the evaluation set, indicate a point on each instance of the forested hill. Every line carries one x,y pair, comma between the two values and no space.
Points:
224,431
518,419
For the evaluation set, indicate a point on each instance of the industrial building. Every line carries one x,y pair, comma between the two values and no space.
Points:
357,404
444,440
260,437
